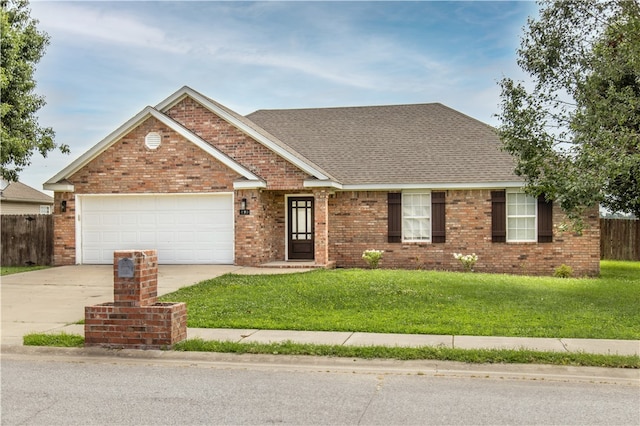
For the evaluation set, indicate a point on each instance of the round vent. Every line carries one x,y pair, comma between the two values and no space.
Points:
152,140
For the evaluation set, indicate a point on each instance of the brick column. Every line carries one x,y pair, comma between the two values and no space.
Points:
321,215
135,319
135,278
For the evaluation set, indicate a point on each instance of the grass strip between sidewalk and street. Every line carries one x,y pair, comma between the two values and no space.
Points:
476,356
62,340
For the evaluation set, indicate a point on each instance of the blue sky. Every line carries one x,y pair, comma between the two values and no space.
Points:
108,60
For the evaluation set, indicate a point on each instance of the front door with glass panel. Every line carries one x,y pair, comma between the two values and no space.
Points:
300,227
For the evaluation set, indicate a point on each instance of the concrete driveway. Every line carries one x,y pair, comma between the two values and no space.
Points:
49,299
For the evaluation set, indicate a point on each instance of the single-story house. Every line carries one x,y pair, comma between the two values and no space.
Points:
204,184
18,198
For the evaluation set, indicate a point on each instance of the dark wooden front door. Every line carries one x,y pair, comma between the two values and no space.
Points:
300,227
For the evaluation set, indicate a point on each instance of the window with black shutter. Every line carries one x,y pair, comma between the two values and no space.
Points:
498,217
545,220
394,201
438,221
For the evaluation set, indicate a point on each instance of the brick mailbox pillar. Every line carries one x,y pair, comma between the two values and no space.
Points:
135,319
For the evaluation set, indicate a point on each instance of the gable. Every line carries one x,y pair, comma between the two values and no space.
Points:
275,170
129,166
249,128
60,181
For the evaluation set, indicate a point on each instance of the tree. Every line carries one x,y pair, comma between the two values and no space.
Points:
22,46
575,131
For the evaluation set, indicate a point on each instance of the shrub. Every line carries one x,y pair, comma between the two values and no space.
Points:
468,261
372,257
563,271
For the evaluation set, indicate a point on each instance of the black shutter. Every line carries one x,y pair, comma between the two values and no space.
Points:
545,220
438,224
394,202
498,217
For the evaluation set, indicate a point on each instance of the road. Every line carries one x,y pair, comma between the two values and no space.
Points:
133,389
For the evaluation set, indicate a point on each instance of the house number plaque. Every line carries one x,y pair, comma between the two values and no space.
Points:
125,268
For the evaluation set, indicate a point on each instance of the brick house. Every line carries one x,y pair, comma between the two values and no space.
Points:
203,184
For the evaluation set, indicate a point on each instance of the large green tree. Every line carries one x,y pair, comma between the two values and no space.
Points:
575,127
22,46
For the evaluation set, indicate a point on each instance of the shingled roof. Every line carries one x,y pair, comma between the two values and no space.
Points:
397,144
19,192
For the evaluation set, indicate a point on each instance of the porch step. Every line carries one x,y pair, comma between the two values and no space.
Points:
295,265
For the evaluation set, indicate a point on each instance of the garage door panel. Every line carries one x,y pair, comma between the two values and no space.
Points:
184,229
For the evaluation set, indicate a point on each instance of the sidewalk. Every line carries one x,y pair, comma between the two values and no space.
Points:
592,346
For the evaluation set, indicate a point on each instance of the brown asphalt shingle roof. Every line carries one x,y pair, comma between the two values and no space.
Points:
396,144
19,192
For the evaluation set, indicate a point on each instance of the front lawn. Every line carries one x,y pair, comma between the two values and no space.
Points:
425,302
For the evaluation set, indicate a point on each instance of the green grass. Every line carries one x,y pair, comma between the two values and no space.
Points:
8,270
479,356
53,339
424,302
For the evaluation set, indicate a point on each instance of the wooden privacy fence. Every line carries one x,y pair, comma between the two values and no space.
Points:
620,239
26,240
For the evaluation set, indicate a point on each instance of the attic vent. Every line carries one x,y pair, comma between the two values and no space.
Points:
152,140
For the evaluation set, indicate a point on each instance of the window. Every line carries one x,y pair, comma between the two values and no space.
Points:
416,216
45,209
518,217
521,217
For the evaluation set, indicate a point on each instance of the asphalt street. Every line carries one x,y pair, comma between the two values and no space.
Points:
98,390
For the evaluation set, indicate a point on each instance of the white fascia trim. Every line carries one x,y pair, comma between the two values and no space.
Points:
102,146
249,184
452,186
59,187
187,91
322,184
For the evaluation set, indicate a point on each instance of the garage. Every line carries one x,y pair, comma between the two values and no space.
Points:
185,229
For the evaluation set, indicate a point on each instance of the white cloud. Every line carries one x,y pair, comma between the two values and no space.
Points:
91,24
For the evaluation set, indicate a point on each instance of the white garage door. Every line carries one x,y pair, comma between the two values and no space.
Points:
185,229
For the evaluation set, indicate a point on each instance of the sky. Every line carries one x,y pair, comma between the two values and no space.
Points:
107,61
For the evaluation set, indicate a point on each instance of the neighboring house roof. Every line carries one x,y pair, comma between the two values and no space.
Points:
393,145
21,193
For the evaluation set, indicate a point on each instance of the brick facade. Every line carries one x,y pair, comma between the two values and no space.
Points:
359,222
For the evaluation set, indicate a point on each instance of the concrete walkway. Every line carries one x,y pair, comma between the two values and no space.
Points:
51,300
592,346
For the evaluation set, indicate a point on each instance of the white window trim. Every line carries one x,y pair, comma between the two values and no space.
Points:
507,217
429,218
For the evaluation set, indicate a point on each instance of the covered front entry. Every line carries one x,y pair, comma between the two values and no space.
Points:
300,225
